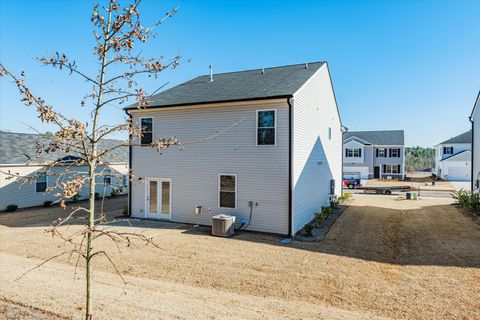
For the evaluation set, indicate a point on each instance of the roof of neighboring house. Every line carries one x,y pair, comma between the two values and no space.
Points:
382,137
461,138
456,154
15,146
275,82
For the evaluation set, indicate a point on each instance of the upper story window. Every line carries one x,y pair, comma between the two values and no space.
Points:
447,150
329,133
266,127
107,177
381,153
227,189
41,182
353,153
395,153
147,130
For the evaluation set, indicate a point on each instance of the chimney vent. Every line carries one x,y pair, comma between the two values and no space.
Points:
211,73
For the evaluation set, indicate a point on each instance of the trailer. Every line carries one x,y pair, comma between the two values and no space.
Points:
384,189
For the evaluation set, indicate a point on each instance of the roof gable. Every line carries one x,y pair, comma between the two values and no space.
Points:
465,137
462,156
264,83
382,137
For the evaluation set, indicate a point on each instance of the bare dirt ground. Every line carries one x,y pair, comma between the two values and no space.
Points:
384,258
439,185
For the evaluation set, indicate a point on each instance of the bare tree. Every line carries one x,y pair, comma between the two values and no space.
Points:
117,32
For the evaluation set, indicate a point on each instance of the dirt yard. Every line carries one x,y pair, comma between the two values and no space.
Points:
384,258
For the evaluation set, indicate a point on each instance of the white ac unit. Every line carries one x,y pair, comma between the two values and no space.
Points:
223,225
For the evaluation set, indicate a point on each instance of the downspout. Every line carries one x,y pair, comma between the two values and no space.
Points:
344,130
129,166
290,173
473,147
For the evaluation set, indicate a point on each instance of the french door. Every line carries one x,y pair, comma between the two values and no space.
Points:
158,202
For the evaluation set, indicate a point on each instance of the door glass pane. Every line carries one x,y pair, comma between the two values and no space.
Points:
153,197
166,197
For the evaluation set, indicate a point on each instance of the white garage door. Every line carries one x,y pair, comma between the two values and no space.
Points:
459,173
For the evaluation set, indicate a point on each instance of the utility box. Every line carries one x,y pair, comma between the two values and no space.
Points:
411,195
223,225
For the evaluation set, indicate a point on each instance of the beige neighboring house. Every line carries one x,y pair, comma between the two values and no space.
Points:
279,162
14,149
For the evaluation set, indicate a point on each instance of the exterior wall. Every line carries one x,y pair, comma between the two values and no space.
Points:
476,147
262,171
24,195
316,159
380,161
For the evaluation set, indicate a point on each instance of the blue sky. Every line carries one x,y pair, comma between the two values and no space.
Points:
395,65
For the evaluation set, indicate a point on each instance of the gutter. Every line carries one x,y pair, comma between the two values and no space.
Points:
129,168
473,151
290,169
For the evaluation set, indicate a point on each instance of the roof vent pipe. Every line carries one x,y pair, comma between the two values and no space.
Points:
306,65
211,73
263,70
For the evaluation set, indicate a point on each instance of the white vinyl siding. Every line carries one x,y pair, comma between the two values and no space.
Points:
316,159
194,170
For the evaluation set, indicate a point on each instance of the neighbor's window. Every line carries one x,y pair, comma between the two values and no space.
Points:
447,150
107,178
41,183
227,191
329,133
125,180
147,130
353,153
392,168
266,128
381,153
395,153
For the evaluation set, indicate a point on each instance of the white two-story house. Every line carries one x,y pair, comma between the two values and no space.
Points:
374,154
263,145
453,158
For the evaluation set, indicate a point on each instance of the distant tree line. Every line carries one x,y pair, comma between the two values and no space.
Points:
419,158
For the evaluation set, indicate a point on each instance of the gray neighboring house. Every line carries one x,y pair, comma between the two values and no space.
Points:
277,164
475,120
374,154
15,147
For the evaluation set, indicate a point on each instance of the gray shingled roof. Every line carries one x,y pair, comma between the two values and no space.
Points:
383,137
465,137
15,146
242,85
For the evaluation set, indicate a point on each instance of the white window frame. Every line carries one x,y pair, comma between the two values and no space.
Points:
384,152
348,154
357,152
447,148
236,187
275,128
107,174
397,150
46,183
153,128
387,166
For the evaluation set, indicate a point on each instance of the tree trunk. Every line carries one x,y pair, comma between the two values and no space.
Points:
91,224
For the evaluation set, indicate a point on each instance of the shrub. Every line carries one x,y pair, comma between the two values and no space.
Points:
323,215
125,210
114,193
308,228
47,203
97,196
344,197
467,200
11,208
76,197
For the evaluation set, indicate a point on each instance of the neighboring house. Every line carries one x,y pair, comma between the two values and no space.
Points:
276,165
15,147
475,120
453,158
374,154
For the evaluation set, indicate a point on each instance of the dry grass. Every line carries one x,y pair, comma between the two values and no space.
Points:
384,258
